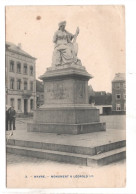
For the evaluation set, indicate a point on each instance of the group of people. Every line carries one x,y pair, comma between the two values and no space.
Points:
10,118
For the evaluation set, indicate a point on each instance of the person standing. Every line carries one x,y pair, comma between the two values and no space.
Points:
7,118
12,117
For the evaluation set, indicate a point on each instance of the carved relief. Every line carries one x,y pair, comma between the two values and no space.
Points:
80,89
56,91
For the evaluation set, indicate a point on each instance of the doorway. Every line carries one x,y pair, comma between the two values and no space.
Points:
25,106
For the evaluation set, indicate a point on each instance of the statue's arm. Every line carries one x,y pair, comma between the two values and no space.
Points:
70,35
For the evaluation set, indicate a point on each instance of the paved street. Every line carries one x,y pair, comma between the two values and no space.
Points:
13,159
86,140
114,121
109,119
27,172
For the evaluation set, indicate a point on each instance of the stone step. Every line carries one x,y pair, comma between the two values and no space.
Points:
68,148
107,157
66,157
64,128
48,155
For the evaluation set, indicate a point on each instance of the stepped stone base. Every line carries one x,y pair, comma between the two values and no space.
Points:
74,154
85,160
66,128
66,114
70,119
66,109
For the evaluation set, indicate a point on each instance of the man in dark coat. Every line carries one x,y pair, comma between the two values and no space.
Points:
12,117
7,117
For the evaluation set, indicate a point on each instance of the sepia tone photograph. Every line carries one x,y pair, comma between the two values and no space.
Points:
65,96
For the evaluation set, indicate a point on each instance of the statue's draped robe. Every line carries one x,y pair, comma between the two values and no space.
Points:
63,51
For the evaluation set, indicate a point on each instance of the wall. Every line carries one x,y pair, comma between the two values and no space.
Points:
114,121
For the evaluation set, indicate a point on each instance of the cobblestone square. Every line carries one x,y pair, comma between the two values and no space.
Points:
30,172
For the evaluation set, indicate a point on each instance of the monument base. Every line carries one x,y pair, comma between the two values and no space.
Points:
66,109
74,129
77,119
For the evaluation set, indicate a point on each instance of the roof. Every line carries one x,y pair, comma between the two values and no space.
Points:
17,49
119,77
100,93
101,99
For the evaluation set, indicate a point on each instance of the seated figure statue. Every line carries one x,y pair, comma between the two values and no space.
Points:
65,50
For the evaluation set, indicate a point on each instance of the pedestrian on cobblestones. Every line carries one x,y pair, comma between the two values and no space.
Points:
7,117
12,118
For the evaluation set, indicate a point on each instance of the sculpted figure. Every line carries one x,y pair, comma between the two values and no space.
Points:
65,50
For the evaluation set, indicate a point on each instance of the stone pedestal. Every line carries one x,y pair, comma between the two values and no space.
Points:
66,108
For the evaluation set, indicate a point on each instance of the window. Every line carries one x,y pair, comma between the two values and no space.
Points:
31,86
19,84
12,83
19,104
124,96
25,85
12,66
118,96
31,70
18,67
25,68
117,85
31,104
12,102
118,108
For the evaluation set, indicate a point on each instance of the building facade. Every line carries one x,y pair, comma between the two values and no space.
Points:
119,93
20,79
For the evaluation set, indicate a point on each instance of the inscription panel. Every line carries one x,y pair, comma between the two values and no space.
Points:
58,92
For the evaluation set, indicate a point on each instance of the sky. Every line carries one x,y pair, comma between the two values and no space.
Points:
101,41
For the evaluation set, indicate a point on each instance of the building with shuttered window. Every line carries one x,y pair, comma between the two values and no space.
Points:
20,79
119,93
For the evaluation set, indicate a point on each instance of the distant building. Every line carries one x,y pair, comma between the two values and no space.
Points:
39,93
20,79
102,101
119,92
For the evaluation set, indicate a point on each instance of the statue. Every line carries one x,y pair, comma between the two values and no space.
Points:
65,50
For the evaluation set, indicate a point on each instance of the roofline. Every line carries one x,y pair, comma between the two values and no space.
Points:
21,54
7,44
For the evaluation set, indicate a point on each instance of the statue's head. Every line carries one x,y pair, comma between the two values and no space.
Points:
62,25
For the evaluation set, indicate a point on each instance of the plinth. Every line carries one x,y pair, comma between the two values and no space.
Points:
66,109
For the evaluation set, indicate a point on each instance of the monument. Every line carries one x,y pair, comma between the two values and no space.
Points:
67,114
66,109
